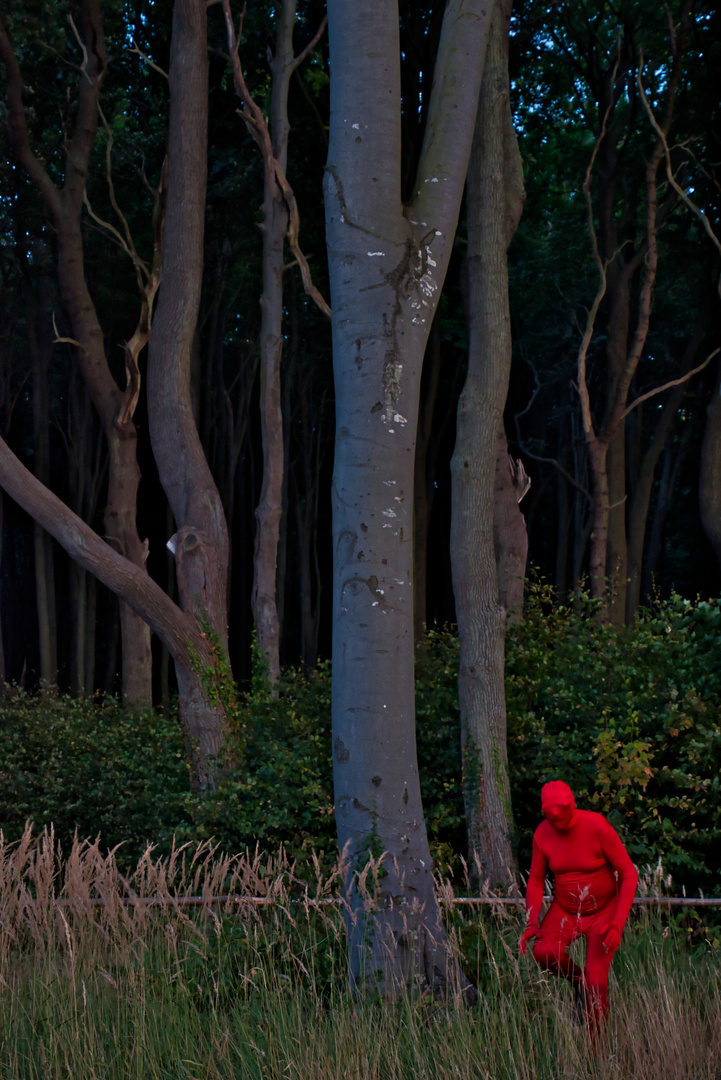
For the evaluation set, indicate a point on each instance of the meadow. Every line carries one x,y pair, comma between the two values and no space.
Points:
107,974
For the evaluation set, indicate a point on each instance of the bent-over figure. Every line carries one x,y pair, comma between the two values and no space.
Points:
594,886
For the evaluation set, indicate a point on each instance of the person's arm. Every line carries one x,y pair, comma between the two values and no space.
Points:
534,895
619,859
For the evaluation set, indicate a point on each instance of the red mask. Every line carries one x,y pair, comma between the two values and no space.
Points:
558,805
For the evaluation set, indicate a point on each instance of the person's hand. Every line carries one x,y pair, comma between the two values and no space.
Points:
528,934
612,938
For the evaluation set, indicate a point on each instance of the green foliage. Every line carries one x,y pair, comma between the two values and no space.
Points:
282,791
630,720
94,768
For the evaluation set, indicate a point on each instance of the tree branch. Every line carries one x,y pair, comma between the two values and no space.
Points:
258,127
673,382
672,179
177,630
298,60
452,109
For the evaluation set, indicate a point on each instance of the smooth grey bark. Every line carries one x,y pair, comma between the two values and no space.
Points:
494,205
709,487
200,543
387,264
421,498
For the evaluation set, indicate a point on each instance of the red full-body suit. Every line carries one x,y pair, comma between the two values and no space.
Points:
594,885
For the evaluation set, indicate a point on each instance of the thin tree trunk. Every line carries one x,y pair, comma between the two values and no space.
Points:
617,548
510,538
481,618
91,610
114,406
39,347
709,486
79,624
644,484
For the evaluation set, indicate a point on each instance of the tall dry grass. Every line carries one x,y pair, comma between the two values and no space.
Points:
103,975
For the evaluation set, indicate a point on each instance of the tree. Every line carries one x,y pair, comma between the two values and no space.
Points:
115,407
196,633
280,222
495,201
387,263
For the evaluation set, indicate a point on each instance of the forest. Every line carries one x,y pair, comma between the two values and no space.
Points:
360,430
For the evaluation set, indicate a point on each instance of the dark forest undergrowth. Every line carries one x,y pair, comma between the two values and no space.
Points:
159,990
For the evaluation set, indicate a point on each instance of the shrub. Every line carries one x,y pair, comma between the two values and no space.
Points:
630,720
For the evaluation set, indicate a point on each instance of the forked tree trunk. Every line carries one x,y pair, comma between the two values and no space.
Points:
492,218
387,265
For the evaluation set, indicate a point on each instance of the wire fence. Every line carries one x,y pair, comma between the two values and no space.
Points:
269,901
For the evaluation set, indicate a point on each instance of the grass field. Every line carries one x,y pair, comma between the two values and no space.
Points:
153,990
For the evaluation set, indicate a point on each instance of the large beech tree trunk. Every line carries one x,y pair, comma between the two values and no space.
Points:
115,406
387,264
495,199
200,543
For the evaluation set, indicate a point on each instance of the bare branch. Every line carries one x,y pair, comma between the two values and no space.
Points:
298,60
83,48
57,340
292,235
147,60
673,382
582,386
672,179
258,127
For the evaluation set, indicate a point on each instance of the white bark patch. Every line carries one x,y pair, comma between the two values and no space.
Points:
373,253
398,419
389,513
389,483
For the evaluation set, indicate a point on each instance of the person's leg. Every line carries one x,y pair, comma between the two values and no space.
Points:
557,931
595,980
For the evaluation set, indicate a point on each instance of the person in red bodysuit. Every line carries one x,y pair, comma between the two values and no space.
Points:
594,886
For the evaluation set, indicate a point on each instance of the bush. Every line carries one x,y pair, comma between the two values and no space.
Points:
630,720
91,767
